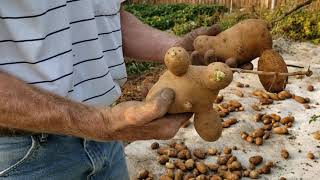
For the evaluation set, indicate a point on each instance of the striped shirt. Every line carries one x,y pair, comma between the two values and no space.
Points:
72,48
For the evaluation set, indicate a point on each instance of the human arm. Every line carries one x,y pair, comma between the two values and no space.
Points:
143,42
29,108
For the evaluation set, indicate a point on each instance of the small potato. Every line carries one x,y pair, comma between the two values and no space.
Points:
155,145
256,160
310,88
169,173
235,103
199,153
189,177
215,177
222,160
246,173
243,135
143,174
254,174
265,170
284,95
178,175
284,154
184,154
180,147
219,99
170,165
316,135
230,175
163,159
213,166
258,133
235,165
201,167
287,120
280,130
233,158
201,177
310,155
227,150
165,177
250,139
259,141
189,164
180,164
212,151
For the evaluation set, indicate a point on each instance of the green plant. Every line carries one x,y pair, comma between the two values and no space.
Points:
314,118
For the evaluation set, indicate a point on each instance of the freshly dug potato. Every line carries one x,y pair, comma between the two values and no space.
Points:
201,167
199,153
242,43
280,130
271,61
316,135
189,164
142,174
256,160
195,91
284,154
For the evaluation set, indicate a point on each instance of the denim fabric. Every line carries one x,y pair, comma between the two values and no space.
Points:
60,158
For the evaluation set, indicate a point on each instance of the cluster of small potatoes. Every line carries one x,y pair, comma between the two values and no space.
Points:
266,98
181,163
272,123
225,108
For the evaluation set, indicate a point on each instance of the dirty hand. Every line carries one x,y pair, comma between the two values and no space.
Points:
134,120
186,41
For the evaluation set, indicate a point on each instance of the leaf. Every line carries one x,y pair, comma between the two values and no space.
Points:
314,118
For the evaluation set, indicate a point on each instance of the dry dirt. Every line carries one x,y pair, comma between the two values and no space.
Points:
299,141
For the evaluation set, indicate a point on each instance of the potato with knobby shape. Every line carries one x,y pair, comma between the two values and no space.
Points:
242,43
196,88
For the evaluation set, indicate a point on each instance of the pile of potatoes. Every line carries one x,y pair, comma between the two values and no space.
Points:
181,163
273,123
224,109
266,98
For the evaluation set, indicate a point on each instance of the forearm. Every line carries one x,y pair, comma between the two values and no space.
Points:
28,108
141,41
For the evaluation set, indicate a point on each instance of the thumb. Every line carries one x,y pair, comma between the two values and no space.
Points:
156,107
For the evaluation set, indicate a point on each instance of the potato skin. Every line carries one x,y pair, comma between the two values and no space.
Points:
190,89
208,125
244,41
271,61
196,91
177,60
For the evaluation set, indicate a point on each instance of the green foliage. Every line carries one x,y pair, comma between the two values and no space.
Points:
179,18
138,67
303,25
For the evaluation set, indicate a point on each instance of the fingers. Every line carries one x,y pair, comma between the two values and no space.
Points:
214,30
153,109
161,129
247,66
167,127
197,58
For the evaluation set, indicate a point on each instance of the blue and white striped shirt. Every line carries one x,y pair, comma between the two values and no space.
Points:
72,48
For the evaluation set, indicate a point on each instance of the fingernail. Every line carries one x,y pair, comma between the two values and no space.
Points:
167,94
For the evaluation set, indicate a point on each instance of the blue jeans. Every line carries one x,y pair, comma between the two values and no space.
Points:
60,157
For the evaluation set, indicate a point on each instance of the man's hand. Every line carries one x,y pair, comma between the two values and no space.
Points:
186,41
134,120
